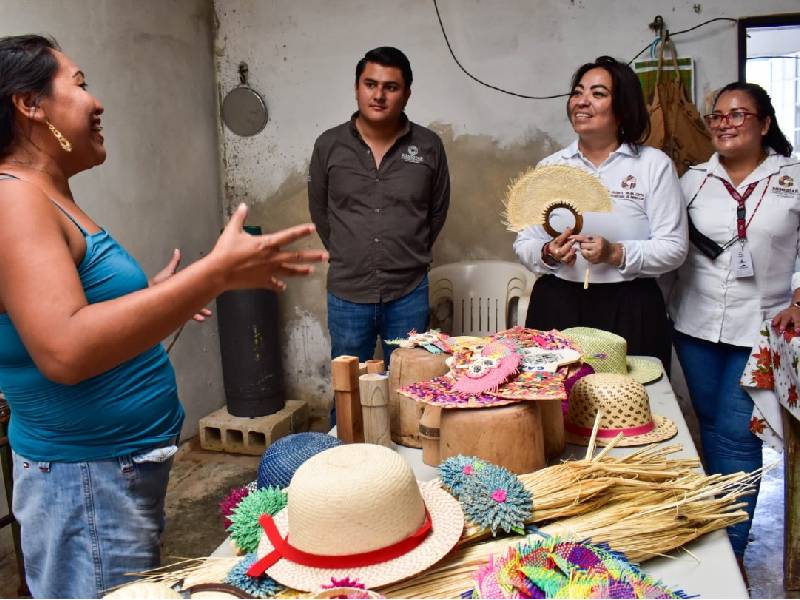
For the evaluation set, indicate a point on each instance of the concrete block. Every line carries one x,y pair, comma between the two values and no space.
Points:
222,432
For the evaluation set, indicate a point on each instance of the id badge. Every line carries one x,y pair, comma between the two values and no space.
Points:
742,261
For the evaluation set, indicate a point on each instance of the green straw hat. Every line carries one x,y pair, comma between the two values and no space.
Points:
606,352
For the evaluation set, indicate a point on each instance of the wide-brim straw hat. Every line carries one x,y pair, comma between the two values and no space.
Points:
606,352
624,406
356,501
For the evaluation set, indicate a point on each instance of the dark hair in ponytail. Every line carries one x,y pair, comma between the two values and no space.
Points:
774,138
27,65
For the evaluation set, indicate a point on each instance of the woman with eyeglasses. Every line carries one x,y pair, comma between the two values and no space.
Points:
642,237
744,214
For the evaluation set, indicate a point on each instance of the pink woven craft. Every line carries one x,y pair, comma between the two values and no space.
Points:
497,362
440,392
540,385
547,340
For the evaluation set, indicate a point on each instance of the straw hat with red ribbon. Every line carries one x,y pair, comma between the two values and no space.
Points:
357,512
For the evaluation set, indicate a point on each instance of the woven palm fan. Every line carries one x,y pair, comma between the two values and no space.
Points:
534,195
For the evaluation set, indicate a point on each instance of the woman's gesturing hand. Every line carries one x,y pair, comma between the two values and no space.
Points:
168,272
259,261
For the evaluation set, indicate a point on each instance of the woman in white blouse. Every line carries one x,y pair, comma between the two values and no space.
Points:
642,237
744,213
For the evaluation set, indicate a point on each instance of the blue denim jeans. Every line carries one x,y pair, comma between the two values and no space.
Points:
724,409
354,327
85,525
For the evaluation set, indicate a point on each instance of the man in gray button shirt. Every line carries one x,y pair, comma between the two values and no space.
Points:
378,192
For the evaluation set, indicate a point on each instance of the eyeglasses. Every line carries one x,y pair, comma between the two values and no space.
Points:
734,118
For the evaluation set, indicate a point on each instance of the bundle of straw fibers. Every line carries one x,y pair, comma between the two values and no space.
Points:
640,524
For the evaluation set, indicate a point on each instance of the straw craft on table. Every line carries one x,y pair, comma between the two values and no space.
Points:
643,505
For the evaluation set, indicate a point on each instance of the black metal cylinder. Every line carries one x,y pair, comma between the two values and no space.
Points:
251,353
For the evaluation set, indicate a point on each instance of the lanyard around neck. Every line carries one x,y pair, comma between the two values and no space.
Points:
741,211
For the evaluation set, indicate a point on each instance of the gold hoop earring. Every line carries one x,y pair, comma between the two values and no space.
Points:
65,143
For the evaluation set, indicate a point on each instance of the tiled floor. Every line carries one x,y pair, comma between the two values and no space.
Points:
764,557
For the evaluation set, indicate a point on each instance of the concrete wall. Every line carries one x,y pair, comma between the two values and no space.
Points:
149,62
302,57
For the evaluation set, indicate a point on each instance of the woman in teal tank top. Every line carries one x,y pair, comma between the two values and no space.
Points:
92,393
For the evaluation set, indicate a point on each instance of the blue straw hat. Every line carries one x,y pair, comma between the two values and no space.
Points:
285,456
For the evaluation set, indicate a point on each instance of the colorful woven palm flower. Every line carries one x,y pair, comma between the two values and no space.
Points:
552,568
432,340
258,587
496,499
231,501
457,471
343,583
245,529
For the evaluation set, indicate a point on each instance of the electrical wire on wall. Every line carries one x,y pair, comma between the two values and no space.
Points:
527,97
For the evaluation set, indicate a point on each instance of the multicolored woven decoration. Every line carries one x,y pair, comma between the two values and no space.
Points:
555,568
231,501
496,362
534,384
432,340
536,338
258,587
456,472
496,499
245,529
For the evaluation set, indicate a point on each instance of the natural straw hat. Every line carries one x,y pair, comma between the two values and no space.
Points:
606,352
356,511
624,406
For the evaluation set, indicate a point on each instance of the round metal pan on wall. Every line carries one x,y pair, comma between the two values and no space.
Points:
244,111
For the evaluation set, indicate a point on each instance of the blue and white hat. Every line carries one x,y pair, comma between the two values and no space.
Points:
285,456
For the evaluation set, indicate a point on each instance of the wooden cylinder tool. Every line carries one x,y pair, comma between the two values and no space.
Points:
344,375
376,366
374,390
429,434
407,366
509,436
552,428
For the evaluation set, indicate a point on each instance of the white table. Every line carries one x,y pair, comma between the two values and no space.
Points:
712,574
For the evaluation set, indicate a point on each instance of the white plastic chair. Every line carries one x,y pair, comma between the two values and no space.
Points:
486,295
